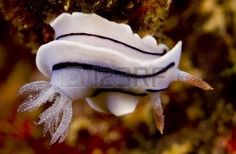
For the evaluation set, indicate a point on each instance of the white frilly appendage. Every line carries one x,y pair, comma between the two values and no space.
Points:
57,117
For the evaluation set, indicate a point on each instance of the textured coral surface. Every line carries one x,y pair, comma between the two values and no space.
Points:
196,121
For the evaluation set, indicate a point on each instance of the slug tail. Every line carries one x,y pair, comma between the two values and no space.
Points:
193,80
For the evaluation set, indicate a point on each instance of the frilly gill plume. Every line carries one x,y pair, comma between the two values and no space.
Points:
57,117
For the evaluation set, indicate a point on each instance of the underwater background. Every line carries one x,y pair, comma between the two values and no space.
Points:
196,121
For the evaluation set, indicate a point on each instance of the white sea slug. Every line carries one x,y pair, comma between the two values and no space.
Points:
104,63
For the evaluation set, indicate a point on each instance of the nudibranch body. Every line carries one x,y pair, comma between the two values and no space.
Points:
104,63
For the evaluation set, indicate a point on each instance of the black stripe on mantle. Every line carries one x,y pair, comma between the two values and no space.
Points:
104,90
113,40
102,69
156,90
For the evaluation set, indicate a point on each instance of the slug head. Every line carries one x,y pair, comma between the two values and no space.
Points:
193,80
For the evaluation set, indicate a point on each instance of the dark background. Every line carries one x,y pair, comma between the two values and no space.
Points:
196,121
